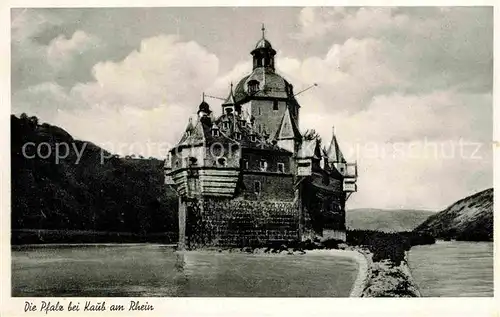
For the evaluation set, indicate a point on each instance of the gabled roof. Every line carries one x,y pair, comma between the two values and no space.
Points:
334,153
197,134
287,128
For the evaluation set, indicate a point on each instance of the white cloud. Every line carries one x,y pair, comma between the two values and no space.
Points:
164,71
347,76
62,50
43,100
127,130
363,22
144,99
437,48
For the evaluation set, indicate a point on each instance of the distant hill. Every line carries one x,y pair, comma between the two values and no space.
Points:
469,219
385,220
113,195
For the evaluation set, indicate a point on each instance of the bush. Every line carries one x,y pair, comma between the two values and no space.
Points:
390,246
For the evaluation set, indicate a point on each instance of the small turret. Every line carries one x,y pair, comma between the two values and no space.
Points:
335,156
204,112
229,105
349,171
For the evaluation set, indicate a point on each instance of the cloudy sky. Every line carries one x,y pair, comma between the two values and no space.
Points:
409,90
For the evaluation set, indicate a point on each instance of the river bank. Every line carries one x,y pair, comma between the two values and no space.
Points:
385,278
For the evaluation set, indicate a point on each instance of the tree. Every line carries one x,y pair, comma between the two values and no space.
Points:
311,134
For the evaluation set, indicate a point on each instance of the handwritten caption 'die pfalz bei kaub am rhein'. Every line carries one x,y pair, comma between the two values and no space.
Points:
84,306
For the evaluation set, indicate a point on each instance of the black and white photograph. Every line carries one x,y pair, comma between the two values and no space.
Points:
283,152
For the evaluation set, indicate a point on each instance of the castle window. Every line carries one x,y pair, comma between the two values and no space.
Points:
263,165
260,113
245,164
281,167
253,86
215,132
221,161
237,136
225,125
192,161
257,187
252,138
276,106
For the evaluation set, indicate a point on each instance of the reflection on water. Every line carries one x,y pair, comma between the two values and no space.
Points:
453,268
153,270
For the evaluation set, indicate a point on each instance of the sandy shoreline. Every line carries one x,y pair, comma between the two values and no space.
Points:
362,276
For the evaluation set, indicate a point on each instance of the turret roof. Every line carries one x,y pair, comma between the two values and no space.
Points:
333,152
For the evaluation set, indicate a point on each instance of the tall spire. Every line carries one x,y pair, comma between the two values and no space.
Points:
230,100
334,153
263,31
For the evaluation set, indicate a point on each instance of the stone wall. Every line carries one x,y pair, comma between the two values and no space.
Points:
273,186
238,223
322,211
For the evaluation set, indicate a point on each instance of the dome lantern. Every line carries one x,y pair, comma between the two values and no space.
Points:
263,54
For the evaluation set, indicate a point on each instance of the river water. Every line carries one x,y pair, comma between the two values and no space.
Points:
453,268
154,270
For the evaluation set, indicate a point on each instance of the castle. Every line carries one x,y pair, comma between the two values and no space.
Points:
249,177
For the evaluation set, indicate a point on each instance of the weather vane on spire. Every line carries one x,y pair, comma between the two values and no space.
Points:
263,30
